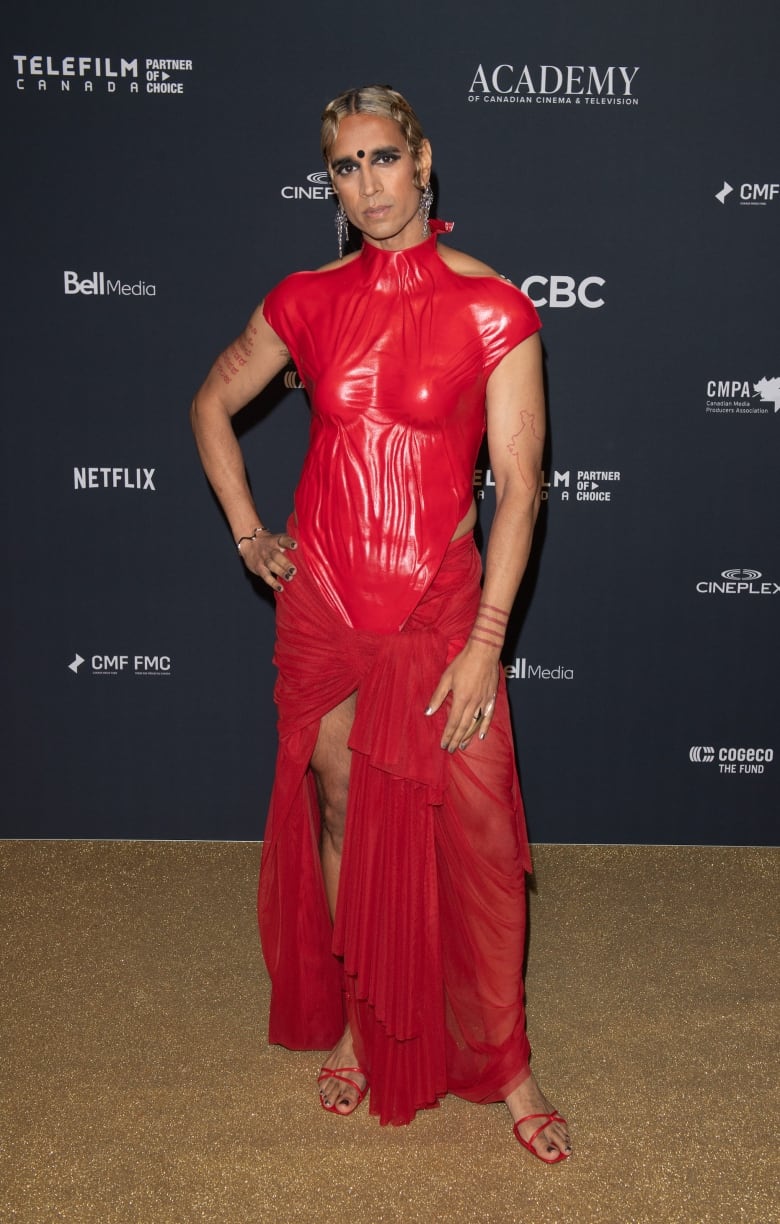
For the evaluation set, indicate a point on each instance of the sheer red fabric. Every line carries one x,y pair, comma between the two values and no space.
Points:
428,939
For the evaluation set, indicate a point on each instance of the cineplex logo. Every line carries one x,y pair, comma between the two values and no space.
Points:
99,73
739,582
115,478
732,397
733,760
317,187
100,285
752,194
123,664
570,84
581,485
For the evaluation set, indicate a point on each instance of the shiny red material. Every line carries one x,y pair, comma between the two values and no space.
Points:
425,955
429,934
395,350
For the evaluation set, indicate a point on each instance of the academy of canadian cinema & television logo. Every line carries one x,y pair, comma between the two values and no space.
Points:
545,84
742,397
86,74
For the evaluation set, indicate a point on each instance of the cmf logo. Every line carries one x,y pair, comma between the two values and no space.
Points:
701,756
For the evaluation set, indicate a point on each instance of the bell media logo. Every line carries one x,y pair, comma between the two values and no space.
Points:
544,84
98,284
317,187
104,74
751,194
742,397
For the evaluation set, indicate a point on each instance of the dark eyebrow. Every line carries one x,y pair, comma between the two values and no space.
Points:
347,161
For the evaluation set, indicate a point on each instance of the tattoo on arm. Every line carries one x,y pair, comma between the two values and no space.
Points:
239,353
527,421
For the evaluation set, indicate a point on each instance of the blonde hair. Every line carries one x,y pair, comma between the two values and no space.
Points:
378,100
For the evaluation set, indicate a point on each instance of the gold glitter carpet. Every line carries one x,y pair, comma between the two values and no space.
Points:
137,1085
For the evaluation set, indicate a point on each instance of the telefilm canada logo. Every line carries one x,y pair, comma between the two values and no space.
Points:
578,485
139,479
99,284
100,74
120,664
739,582
752,195
732,760
742,397
546,84
317,187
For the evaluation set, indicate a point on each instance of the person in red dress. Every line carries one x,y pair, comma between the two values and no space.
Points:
392,888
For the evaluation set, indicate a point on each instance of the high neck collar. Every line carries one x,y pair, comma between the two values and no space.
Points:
411,254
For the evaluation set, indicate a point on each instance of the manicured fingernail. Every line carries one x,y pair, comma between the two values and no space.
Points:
482,734
430,711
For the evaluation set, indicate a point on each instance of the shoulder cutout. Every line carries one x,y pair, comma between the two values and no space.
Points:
463,264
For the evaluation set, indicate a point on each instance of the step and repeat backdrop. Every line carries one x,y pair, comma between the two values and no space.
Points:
618,162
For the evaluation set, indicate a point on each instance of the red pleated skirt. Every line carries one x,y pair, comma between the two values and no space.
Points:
425,955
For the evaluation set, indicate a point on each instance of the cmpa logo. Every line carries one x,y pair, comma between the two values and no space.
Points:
750,193
124,664
293,381
90,73
739,582
733,397
563,292
569,85
318,187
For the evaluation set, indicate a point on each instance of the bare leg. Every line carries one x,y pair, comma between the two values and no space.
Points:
330,765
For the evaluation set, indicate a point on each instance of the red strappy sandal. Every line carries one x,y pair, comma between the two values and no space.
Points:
528,1143
340,1073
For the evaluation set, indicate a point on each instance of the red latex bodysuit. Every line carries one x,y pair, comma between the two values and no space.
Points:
395,350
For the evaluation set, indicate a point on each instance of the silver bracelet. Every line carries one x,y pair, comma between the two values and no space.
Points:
253,536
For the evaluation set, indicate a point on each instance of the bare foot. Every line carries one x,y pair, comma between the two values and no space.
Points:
337,1094
553,1142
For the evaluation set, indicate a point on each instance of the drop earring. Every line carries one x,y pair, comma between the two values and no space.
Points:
426,200
342,229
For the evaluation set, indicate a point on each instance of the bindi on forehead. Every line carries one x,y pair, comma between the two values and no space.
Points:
361,152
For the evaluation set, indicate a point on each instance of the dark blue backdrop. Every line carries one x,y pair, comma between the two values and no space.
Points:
621,165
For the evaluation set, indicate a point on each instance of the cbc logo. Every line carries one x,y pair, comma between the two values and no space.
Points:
562,292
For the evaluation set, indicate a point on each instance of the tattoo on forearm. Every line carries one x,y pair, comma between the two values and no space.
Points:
527,421
230,362
490,625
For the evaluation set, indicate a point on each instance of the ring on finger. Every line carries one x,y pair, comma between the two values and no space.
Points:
478,715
